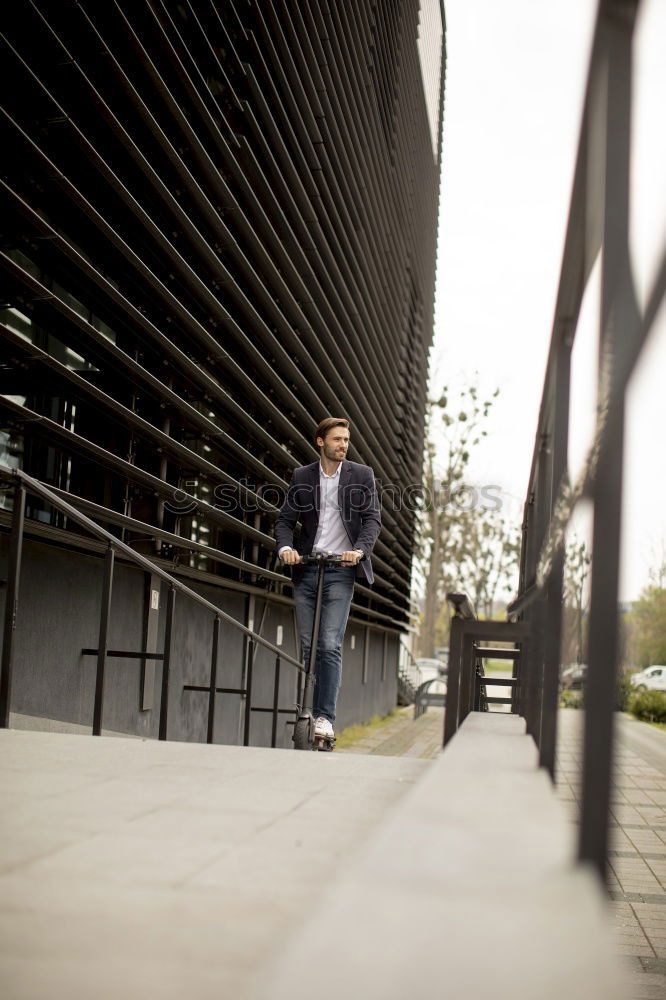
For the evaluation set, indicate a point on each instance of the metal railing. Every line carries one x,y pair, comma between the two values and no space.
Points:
598,223
466,683
409,676
424,697
24,485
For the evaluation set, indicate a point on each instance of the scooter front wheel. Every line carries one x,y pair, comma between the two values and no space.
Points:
302,739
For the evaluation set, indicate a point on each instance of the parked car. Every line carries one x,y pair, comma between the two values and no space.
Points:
430,667
572,677
442,654
652,678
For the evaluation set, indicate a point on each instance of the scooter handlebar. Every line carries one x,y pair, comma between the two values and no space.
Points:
317,558
328,558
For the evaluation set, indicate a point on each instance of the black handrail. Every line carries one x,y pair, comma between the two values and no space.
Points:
462,605
598,223
466,681
406,687
24,484
215,555
423,698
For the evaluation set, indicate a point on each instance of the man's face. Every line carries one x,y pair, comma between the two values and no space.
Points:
334,446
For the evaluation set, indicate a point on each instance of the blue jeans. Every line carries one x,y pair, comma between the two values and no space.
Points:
338,590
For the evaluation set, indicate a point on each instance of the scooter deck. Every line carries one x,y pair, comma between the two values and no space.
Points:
324,743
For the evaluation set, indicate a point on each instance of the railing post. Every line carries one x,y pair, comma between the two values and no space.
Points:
467,692
477,681
453,679
103,643
551,667
276,701
248,691
11,606
213,681
166,662
555,585
543,511
517,674
619,311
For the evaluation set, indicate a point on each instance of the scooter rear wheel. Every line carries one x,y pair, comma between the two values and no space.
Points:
302,734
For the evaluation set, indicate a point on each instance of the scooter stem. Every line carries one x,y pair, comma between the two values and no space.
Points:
310,672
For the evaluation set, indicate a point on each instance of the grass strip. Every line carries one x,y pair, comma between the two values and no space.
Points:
355,734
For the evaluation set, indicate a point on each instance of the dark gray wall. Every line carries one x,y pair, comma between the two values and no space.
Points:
367,693
59,607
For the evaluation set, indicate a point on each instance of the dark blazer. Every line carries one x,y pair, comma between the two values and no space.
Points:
359,507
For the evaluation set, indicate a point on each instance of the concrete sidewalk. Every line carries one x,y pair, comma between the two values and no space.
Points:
404,736
133,868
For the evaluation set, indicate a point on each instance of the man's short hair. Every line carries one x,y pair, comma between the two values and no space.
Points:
326,425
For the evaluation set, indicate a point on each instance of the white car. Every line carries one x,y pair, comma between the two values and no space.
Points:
652,678
430,668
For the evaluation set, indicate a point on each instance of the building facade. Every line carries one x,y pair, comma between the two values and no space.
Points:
219,225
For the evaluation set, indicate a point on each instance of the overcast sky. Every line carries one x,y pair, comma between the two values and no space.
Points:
516,73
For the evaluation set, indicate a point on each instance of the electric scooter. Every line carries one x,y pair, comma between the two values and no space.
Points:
304,735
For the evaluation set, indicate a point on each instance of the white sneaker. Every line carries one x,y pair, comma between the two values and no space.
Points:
323,727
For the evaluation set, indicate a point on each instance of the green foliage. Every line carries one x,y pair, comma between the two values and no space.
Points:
624,694
649,706
465,543
576,569
571,699
353,734
497,666
648,626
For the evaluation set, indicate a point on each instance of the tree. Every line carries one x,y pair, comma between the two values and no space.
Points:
647,623
576,569
657,574
465,543
491,557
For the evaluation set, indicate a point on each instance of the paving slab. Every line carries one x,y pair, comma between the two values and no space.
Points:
403,736
637,850
133,868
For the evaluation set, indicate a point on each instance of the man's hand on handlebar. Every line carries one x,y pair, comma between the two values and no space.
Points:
290,557
351,558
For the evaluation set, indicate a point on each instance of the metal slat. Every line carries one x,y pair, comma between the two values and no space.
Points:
164,69
190,277
283,331
275,106
43,426
296,75
184,365
144,428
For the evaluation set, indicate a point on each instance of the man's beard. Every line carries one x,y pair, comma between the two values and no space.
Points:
332,454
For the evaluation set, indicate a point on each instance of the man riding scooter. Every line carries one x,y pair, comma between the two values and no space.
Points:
336,503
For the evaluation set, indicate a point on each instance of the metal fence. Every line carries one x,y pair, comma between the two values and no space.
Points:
202,256
23,485
466,683
598,223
